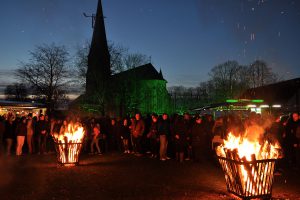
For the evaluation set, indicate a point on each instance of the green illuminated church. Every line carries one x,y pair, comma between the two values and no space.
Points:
139,89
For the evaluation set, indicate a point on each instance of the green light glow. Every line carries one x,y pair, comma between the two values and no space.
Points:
231,100
257,101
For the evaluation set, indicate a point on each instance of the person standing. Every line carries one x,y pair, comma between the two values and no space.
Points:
21,131
9,133
153,136
198,140
187,131
164,133
29,132
114,135
95,139
42,134
179,138
138,129
125,135
291,139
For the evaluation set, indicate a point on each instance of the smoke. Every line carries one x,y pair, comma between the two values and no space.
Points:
254,133
259,129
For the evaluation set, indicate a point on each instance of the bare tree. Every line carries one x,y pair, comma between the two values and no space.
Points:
9,92
225,79
81,63
47,72
117,53
133,60
260,74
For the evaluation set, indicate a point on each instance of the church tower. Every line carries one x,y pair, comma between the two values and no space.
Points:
98,72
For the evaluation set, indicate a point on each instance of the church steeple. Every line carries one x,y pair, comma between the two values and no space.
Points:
98,72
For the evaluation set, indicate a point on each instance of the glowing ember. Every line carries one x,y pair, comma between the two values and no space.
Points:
248,162
68,145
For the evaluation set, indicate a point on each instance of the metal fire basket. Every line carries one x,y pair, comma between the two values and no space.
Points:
249,179
68,153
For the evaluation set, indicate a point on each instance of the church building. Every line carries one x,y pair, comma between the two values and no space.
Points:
140,89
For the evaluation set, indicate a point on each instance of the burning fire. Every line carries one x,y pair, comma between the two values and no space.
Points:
69,144
248,162
247,149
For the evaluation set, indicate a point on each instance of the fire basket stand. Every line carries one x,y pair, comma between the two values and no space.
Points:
249,179
68,153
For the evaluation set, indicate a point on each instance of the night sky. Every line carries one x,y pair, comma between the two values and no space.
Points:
185,38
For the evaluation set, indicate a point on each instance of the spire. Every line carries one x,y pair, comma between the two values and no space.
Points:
160,74
98,71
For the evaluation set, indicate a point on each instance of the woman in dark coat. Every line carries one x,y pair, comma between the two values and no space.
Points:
198,140
9,134
125,135
179,138
153,136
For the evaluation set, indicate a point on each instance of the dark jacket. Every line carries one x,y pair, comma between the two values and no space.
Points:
21,129
180,129
153,131
198,134
138,128
291,131
125,132
9,131
164,128
41,126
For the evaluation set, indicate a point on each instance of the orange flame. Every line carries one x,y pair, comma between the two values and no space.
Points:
245,149
69,144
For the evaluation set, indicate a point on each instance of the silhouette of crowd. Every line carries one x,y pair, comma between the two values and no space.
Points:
181,137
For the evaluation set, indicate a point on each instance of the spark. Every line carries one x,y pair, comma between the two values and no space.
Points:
252,36
279,34
260,2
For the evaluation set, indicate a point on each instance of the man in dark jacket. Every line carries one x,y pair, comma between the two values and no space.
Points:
138,128
42,134
187,126
179,138
198,140
152,136
291,139
164,133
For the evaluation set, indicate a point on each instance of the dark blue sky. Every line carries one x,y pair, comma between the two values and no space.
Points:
185,38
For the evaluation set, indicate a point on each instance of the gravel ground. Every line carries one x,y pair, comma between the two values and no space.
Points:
116,176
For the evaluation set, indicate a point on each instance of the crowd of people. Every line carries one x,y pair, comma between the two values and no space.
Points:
180,137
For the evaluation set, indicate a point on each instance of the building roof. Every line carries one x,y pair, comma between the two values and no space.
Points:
22,104
143,72
280,92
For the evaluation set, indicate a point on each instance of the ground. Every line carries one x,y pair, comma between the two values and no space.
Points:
116,176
